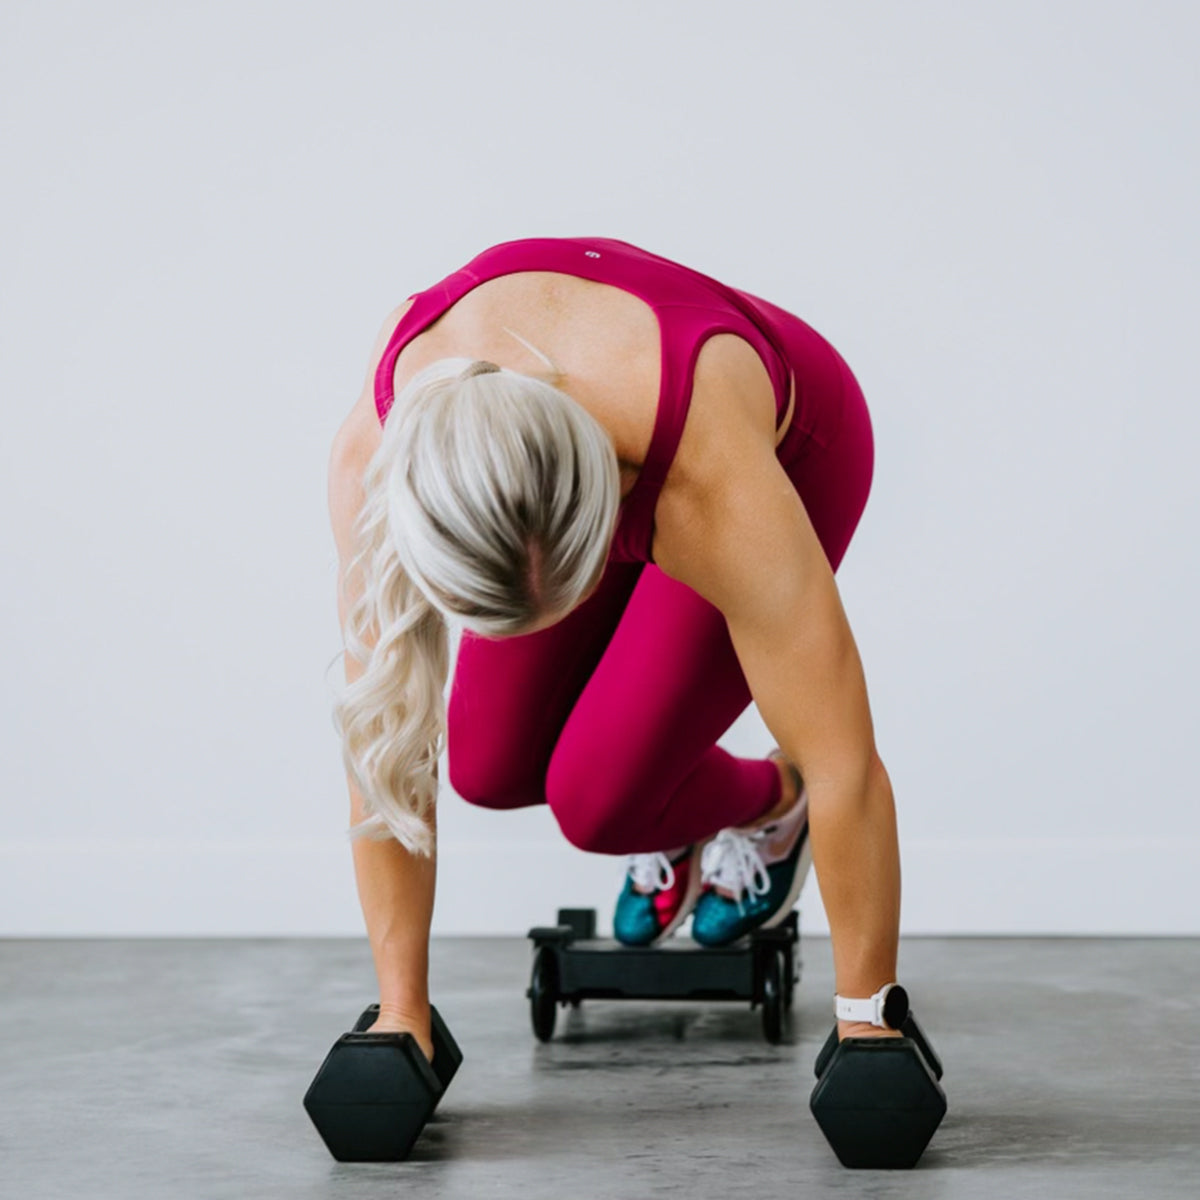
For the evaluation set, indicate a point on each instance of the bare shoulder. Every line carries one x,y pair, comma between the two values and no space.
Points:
729,436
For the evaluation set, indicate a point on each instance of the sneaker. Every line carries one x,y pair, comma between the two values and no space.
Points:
660,892
751,877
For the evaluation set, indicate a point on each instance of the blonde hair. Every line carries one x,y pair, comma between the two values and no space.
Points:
491,501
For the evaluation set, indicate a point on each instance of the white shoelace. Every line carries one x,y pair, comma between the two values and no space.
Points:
732,860
652,870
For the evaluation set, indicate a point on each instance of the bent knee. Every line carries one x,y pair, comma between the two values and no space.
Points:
494,784
587,833
591,817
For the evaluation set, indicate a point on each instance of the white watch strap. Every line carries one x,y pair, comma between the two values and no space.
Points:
869,1009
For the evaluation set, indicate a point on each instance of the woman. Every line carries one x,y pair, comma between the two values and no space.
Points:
630,484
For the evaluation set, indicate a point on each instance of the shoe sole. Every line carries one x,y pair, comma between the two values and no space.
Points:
803,864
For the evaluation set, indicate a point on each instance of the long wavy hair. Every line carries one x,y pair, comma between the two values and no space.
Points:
491,501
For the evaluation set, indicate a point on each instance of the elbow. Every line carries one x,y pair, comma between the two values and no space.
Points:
876,773
855,784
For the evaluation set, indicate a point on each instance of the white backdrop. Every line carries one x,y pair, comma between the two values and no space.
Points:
208,210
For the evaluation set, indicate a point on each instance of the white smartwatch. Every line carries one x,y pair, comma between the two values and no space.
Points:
888,1008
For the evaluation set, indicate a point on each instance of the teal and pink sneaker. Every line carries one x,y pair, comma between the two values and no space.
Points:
751,877
660,891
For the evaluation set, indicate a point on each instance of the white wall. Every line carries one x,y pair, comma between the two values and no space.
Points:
207,212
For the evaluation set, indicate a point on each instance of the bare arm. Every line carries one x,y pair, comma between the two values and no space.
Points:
395,887
739,535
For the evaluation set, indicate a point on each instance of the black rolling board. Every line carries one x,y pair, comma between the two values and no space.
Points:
571,964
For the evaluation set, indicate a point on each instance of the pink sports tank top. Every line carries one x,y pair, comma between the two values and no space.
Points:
690,308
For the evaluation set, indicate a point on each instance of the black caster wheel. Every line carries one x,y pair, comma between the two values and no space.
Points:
773,996
789,981
543,994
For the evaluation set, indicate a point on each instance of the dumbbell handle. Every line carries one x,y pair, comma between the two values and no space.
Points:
910,1029
447,1056
913,1030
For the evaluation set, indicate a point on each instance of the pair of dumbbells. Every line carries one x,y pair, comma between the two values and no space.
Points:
879,1100
374,1092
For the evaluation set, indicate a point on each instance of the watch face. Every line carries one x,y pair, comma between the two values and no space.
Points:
895,1007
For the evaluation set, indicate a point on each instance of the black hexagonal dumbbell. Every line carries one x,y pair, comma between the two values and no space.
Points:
878,1100
374,1092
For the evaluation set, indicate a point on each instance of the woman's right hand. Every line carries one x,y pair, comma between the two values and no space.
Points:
414,1021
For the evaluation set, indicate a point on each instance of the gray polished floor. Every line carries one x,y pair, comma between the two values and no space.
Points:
176,1068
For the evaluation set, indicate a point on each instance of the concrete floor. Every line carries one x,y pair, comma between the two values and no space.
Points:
139,1068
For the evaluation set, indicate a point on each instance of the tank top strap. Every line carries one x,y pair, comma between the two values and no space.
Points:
427,306
684,330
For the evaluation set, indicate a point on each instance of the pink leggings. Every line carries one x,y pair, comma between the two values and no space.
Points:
611,716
